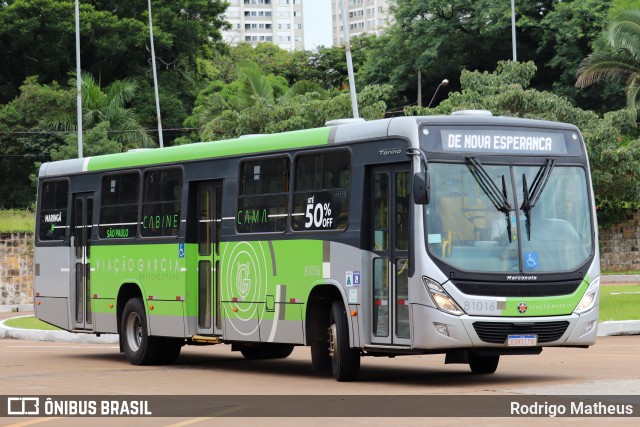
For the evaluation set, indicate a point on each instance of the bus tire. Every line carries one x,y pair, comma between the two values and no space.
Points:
320,360
168,350
483,364
138,346
345,361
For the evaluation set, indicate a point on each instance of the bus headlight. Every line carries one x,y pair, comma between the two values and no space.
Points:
441,298
589,299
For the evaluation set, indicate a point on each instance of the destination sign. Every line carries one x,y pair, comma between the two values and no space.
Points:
502,141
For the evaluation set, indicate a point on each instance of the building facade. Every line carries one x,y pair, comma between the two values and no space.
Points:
363,16
257,21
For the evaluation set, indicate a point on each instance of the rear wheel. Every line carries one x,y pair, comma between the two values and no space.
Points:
345,361
480,364
139,347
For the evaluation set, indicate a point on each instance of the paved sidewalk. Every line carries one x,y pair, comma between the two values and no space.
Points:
40,335
612,279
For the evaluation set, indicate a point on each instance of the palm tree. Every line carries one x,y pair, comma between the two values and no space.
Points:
253,87
618,55
109,106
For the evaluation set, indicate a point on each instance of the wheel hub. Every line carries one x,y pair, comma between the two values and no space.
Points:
134,332
333,345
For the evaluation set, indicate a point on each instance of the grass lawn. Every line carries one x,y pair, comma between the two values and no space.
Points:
14,220
619,302
29,322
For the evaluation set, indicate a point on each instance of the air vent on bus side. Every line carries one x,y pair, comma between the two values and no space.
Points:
472,113
338,122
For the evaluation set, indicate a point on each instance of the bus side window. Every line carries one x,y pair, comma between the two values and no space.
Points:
321,191
264,195
119,206
54,197
161,203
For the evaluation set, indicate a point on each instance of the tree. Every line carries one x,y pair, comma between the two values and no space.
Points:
100,107
328,65
568,34
251,87
96,141
271,59
24,141
612,146
469,33
617,56
260,103
293,112
37,37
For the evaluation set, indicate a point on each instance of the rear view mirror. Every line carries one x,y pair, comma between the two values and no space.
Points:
421,188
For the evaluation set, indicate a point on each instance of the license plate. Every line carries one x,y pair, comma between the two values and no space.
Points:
522,340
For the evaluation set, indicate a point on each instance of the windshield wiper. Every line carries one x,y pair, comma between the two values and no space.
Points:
532,194
498,198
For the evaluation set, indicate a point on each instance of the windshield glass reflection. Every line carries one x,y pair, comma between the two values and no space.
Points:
467,230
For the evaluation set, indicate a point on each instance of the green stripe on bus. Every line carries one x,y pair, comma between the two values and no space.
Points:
545,306
215,149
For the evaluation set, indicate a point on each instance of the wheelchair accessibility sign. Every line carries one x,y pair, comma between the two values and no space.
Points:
531,260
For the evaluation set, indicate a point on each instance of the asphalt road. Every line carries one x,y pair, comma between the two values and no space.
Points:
611,367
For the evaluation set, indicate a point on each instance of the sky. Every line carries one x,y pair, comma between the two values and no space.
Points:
317,23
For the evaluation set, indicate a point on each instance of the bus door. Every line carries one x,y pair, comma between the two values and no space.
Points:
81,230
390,199
209,211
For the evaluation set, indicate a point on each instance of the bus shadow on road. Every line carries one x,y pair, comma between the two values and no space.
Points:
373,370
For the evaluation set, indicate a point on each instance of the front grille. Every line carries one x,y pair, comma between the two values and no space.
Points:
517,289
496,332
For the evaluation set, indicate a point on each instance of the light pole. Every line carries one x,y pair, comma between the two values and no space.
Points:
155,78
513,30
78,81
442,83
347,46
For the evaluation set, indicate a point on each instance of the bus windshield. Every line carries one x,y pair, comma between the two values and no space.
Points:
509,218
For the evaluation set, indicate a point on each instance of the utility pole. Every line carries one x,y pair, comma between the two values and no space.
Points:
155,78
419,88
347,45
513,30
78,81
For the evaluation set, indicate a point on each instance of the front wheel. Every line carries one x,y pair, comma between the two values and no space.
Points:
345,361
483,364
139,347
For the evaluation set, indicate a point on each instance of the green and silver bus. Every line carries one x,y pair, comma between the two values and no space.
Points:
467,235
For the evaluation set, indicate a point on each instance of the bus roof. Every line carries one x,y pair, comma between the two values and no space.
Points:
397,127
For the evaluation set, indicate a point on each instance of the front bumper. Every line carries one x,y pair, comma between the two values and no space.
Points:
581,330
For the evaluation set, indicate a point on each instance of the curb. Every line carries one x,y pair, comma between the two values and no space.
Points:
622,327
15,308
57,336
612,279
